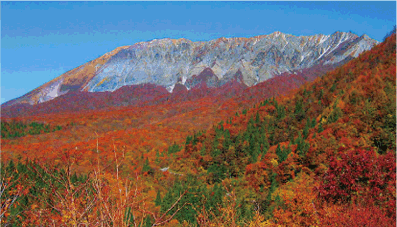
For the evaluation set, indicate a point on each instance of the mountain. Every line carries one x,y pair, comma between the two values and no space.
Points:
322,155
168,62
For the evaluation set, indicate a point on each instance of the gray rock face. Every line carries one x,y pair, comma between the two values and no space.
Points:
166,62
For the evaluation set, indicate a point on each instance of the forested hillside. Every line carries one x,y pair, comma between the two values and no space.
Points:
324,155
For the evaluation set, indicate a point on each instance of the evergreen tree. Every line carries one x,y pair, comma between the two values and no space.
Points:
320,94
282,153
255,152
306,129
157,201
280,112
257,119
245,211
157,157
302,146
188,140
313,123
216,199
227,141
218,171
333,87
265,144
279,153
167,201
129,217
273,187
320,127
174,148
146,166
266,102
202,151
278,202
148,221
299,111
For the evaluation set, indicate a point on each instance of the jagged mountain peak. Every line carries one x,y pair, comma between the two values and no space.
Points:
365,36
163,41
273,35
166,62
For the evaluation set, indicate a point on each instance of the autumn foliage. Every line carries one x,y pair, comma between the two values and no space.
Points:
286,152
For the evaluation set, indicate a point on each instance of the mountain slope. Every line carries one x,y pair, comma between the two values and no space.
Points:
167,62
323,155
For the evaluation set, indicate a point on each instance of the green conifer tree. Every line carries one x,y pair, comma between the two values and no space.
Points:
157,201
146,166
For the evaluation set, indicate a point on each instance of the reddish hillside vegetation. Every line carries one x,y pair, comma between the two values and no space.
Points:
322,154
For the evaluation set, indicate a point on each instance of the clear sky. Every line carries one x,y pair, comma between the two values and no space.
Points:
42,40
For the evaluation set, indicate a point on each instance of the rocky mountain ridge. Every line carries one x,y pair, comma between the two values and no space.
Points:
168,62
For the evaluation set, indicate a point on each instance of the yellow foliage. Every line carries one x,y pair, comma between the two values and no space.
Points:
274,162
259,221
298,197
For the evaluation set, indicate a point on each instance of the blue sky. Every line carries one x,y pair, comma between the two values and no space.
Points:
42,40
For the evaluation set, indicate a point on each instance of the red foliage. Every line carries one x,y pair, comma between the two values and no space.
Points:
358,174
354,215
